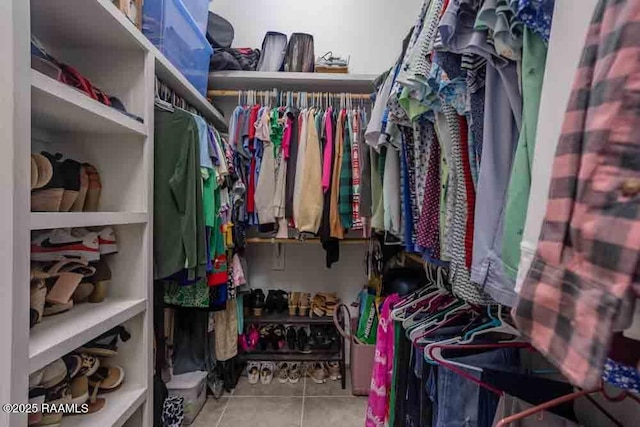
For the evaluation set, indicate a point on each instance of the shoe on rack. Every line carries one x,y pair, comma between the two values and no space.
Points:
43,171
334,370
303,341
78,205
282,374
266,372
47,195
270,304
53,374
52,245
279,338
291,338
106,345
295,372
258,302
36,397
100,281
95,188
282,301
106,238
71,171
253,372
59,394
303,306
294,301
318,373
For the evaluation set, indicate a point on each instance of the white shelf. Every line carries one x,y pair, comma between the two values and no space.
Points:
49,220
170,75
318,82
62,333
84,23
120,406
60,107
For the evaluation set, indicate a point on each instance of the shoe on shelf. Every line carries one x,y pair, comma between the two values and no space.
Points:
303,341
89,364
258,302
334,370
282,301
100,281
318,373
106,345
92,200
79,390
107,378
73,363
266,372
291,338
53,374
294,301
271,301
52,245
278,341
49,190
253,372
78,205
303,305
59,394
294,372
43,171
36,397
71,171
106,238
282,374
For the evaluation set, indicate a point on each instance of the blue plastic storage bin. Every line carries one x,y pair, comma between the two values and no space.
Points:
169,26
199,10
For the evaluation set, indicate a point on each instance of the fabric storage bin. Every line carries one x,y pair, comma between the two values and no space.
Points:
361,357
169,26
199,11
192,387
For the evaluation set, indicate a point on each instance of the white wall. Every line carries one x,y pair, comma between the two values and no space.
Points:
305,271
371,31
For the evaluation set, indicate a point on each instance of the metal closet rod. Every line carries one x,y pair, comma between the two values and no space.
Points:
227,93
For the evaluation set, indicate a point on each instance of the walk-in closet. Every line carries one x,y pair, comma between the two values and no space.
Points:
350,213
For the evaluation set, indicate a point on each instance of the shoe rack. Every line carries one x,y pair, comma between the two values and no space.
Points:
38,113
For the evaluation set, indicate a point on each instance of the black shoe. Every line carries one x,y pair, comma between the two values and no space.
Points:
258,302
333,337
303,341
291,337
281,302
278,342
271,302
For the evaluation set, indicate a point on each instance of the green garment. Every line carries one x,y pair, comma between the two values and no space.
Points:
377,207
195,295
276,132
178,226
345,196
533,65
412,106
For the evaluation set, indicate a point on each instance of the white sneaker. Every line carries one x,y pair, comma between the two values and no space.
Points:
106,238
253,372
60,242
282,374
266,372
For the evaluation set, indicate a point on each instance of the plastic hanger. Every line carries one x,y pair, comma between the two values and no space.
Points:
442,318
504,327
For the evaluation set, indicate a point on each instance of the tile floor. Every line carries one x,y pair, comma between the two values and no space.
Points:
305,404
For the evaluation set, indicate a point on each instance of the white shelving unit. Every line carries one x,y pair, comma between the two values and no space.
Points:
39,113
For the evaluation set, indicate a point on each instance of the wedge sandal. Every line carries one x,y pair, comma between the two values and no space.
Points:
106,345
107,379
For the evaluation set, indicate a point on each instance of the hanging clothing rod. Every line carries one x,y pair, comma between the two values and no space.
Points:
228,93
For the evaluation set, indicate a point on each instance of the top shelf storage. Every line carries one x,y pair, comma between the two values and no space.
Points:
311,82
98,26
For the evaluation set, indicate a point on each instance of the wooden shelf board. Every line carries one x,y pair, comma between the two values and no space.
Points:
57,106
49,220
311,82
60,334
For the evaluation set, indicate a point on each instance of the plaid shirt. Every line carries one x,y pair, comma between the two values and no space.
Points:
588,253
